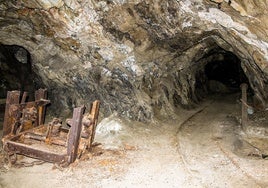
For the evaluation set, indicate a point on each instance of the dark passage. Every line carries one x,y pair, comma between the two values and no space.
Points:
224,68
15,73
16,70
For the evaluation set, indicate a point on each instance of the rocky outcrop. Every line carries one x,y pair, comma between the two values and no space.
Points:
140,58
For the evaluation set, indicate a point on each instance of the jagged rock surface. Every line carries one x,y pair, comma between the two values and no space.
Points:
140,58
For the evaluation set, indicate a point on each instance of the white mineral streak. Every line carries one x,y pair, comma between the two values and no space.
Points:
131,64
106,53
87,65
186,6
82,22
106,72
186,24
107,126
217,16
73,4
120,1
262,46
45,4
239,8
124,49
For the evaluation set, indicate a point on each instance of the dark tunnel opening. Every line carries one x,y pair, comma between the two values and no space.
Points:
16,70
219,72
224,73
15,73
226,70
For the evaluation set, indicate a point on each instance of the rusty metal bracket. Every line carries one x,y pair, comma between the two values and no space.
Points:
25,133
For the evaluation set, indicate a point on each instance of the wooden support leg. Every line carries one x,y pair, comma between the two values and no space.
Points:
24,96
13,97
40,94
74,134
244,119
94,113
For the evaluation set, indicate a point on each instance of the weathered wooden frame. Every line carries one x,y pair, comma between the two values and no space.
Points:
70,142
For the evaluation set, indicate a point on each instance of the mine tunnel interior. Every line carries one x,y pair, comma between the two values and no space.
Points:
16,72
223,72
219,71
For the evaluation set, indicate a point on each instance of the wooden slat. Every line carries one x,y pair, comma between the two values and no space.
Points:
13,97
24,96
94,113
74,134
23,149
40,94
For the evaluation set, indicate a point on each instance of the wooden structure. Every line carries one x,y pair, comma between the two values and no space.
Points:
244,118
25,133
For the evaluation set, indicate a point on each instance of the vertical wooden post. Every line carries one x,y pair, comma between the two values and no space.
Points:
94,114
40,94
13,97
244,118
24,96
75,134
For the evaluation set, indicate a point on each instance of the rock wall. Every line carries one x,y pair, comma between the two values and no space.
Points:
141,58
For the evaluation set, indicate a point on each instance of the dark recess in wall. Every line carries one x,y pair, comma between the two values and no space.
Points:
226,69
16,70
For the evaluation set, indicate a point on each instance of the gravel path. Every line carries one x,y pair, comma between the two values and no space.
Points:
197,148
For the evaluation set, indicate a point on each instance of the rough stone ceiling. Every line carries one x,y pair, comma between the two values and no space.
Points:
134,55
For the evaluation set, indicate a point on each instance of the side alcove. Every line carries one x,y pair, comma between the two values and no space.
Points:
16,70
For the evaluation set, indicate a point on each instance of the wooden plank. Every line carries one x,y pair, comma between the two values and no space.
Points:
95,114
75,134
244,118
40,94
19,148
56,141
13,97
24,96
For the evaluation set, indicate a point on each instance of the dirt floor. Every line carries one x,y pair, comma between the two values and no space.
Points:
203,147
